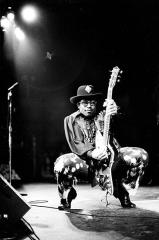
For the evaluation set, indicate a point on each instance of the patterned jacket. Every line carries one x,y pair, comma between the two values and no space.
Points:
80,131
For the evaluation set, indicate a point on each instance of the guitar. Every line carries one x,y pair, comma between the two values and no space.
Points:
102,141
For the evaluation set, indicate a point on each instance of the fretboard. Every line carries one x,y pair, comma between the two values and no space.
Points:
107,120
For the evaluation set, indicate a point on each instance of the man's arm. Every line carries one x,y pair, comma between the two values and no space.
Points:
75,139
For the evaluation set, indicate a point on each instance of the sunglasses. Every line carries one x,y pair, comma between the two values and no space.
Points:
86,102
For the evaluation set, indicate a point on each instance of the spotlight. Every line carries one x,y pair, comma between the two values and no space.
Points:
10,16
4,22
29,13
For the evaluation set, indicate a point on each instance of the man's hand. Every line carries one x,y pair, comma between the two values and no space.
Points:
111,107
99,154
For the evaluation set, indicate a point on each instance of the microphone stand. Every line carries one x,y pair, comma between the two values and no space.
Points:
10,130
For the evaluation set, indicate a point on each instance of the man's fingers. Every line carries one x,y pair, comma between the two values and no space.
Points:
102,155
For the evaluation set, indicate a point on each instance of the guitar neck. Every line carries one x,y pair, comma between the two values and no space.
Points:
107,120
107,117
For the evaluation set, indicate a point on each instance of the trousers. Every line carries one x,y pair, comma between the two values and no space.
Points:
127,171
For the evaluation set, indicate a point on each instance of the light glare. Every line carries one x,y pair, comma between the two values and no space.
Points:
29,13
4,22
19,33
10,16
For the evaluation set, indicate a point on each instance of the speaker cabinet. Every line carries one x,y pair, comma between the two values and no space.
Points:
11,202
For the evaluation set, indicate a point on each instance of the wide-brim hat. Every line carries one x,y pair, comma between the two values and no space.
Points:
86,92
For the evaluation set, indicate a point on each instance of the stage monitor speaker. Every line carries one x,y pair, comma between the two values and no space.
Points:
11,203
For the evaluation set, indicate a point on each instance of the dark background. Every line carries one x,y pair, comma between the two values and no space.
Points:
87,39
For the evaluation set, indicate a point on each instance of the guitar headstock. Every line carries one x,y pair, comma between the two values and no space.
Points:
114,76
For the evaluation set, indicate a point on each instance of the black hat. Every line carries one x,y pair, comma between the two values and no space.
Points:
86,92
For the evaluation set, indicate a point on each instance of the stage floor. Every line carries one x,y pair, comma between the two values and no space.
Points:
89,217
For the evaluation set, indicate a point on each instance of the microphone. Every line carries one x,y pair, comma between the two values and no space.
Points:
9,90
13,86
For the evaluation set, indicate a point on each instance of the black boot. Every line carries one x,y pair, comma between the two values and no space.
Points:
125,202
71,195
64,205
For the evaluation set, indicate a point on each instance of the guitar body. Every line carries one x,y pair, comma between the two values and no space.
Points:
104,173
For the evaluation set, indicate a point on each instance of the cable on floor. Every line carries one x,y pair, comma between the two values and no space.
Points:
32,230
93,215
